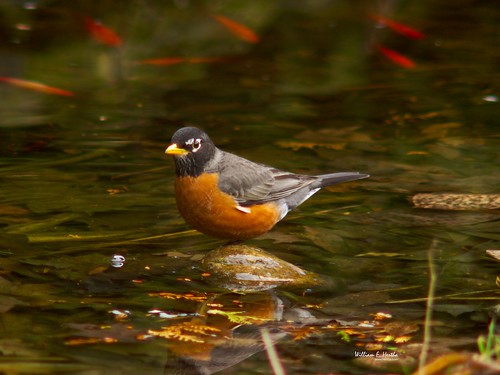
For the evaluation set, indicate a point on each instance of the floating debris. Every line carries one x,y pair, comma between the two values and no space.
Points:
459,202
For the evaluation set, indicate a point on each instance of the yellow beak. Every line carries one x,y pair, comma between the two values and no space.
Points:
174,150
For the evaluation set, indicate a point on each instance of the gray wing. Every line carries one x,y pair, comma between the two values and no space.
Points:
251,183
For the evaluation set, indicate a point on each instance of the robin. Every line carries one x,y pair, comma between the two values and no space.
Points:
226,196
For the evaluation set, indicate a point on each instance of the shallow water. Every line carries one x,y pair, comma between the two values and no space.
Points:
84,178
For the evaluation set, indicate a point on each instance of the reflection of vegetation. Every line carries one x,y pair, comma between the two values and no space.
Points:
187,331
344,336
462,363
429,306
236,316
489,346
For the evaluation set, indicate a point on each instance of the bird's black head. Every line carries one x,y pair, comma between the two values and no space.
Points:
192,149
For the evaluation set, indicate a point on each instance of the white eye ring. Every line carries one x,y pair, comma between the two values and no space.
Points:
196,144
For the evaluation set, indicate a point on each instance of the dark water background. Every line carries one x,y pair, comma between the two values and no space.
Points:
84,177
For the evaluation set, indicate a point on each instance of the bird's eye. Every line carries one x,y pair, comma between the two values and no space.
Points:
196,144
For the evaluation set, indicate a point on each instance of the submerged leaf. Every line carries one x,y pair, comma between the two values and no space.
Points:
101,333
8,302
439,130
6,209
296,145
235,316
186,331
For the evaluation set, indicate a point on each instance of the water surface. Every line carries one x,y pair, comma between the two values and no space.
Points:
85,181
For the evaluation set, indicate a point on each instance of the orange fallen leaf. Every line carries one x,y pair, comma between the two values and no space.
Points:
402,339
381,315
186,296
304,333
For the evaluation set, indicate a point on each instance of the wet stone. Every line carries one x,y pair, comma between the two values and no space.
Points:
246,268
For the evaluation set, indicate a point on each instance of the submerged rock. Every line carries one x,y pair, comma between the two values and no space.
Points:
246,268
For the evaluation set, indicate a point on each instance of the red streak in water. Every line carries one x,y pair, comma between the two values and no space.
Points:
179,60
36,86
102,34
399,28
397,58
241,31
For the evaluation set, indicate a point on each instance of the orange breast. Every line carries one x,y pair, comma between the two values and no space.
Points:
215,213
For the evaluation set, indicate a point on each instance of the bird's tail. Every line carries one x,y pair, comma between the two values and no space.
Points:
335,178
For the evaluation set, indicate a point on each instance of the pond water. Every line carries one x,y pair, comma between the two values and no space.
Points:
99,274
